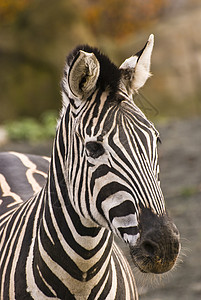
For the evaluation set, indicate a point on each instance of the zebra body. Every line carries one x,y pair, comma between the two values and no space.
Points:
15,250
102,180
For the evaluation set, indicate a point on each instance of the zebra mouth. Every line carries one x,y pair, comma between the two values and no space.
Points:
146,265
139,267
149,261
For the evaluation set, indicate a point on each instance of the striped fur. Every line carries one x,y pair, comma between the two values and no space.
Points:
103,172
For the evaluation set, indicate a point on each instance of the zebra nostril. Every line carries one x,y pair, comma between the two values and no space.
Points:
149,247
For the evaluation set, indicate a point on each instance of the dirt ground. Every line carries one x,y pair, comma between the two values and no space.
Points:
180,165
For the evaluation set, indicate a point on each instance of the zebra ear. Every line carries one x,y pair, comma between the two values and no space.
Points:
136,69
83,74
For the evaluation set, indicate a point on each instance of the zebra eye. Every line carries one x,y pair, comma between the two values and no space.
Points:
94,149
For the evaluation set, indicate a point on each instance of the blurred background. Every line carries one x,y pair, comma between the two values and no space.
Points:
36,36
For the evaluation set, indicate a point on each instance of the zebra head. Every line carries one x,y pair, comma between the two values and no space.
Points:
112,170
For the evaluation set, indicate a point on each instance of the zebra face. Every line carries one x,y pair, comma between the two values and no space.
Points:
118,158
112,164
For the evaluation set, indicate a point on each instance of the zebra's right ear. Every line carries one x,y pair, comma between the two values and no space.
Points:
136,69
83,74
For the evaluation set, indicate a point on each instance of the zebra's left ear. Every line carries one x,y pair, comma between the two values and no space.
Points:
83,74
136,69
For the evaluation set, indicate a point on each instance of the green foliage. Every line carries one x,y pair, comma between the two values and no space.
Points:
189,191
49,120
29,129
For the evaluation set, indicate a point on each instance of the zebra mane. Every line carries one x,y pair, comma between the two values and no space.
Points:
109,73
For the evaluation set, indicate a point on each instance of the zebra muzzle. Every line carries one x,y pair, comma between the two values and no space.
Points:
158,246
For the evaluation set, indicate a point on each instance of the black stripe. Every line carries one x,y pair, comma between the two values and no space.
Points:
121,210
20,277
60,289
108,190
101,171
96,107
132,230
80,185
96,289
120,294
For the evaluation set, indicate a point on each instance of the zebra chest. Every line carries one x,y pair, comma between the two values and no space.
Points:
114,282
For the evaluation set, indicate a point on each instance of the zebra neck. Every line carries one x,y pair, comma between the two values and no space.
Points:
64,250
69,235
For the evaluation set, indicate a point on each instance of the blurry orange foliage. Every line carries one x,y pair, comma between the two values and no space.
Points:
118,18
10,8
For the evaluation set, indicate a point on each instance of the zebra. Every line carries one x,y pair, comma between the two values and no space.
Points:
59,216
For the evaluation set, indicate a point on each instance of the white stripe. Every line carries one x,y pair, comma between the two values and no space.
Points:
125,221
7,191
113,290
102,287
31,284
47,230
12,236
129,273
45,282
17,250
32,169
